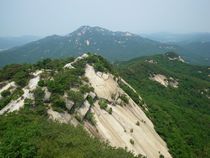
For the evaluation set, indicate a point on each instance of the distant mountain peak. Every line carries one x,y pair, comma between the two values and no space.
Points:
84,29
113,45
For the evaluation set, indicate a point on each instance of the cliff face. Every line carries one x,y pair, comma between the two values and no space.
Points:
127,125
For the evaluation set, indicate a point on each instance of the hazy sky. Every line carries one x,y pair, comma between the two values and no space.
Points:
45,17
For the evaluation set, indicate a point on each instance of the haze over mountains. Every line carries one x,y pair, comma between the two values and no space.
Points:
176,38
196,45
114,46
9,42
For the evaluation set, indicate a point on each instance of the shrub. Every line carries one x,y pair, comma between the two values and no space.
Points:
90,100
131,130
5,93
124,98
4,102
86,89
138,123
17,93
41,83
85,79
90,118
103,104
76,97
161,156
38,95
110,111
57,102
132,141
130,92
99,63
28,103
15,72
21,78
55,87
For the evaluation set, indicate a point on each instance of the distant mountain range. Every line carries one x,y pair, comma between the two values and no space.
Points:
176,38
9,42
197,45
115,46
112,45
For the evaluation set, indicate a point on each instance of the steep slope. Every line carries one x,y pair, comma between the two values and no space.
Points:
121,127
85,91
180,113
112,45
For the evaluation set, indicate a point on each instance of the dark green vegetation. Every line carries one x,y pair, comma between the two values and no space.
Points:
181,115
16,72
130,92
103,104
30,135
111,45
7,96
124,98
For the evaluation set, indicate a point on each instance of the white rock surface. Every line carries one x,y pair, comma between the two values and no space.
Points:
84,109
47,94
15,105
98,83
163,80
69,65
69,104
179,58
116,127
92,94
62,117
7,86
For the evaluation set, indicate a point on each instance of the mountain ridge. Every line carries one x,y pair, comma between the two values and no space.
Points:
84,91
112,45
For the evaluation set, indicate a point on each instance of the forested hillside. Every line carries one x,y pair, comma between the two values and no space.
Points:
178,99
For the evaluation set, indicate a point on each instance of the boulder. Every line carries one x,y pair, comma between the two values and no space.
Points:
47,94
84,109
69,104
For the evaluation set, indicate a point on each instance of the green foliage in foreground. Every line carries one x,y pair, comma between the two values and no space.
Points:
181,115
29,135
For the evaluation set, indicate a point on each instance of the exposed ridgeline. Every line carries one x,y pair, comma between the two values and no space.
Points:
84,91
178,99
111,45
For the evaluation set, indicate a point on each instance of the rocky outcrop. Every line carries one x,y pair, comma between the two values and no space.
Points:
124,123
163,80
15,105
82,111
